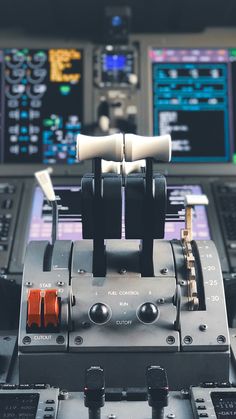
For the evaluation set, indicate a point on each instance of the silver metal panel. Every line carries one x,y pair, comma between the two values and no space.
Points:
124,295
215,335
163,260
74,408
34,277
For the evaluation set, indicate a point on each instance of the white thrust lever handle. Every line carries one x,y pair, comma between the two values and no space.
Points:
109,147
138,147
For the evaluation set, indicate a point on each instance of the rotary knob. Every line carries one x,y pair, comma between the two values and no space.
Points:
99,313
147,312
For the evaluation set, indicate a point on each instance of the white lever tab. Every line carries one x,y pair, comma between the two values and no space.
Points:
192,200
44,180
138,147
110,167
124,168
133,167
109,147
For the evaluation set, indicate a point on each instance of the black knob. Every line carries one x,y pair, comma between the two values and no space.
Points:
99,313
158,390
94,391
148,313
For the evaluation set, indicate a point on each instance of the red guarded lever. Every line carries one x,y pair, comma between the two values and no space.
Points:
51,308
34,308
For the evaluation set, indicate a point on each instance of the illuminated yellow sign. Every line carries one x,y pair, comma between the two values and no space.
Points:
61,60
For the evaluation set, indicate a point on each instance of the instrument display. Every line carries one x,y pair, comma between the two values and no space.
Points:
41,104
115,65
224,404
193,101
22,405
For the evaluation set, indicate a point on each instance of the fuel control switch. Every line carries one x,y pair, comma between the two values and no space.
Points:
51,308
34,308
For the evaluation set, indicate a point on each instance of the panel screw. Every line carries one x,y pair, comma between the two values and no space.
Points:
171,416
203,327
111,416
161,300
28,284
182,282
81,271
184,393
60,340
60,283
188,340
26,340
78,340
164,271
64,395
170,340
221,339
123,271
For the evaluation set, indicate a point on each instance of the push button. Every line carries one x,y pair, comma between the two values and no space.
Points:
34,308
51,308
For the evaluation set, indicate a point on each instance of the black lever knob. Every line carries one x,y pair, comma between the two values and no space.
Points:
99,313
148,313
158,390
94,391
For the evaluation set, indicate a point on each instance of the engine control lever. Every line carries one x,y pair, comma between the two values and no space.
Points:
129,148
45,183
118,147
187,235
158,390
190,202
94,391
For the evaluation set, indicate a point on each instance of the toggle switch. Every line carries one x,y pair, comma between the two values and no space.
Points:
34,308
51,308
158,390
94,391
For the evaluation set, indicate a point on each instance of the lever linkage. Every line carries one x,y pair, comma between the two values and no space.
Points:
148,222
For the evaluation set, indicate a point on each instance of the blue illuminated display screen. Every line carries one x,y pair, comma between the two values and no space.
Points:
191,102
115,62
41,104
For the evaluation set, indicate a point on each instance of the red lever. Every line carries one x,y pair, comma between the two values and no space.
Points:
34,308
51,308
